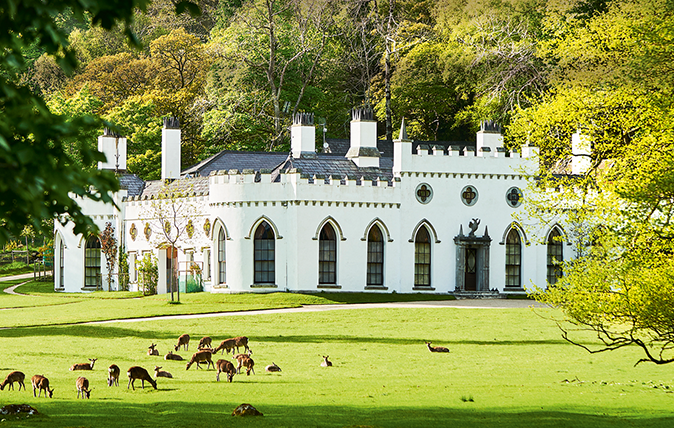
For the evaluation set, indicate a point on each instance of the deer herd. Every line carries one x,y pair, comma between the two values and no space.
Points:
204,354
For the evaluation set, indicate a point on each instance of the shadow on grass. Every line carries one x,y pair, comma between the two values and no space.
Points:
109,332
105,413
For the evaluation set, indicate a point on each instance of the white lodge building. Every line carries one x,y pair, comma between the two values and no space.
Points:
405,217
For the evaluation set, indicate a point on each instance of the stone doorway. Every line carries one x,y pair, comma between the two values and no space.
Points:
472,260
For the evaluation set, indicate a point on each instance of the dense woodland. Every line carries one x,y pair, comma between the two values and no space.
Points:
236,73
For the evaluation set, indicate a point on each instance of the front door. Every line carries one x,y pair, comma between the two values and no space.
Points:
471,269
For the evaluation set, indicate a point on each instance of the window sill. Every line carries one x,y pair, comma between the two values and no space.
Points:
263,286
329,286
60,289
376,287
90,288
220,286
423,288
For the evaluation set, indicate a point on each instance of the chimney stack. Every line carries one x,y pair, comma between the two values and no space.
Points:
303,135
363,151
113,146
170,149
581,149
489,135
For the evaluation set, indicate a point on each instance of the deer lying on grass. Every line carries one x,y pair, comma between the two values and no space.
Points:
172,356
136,372
183,340
42,383
15,376
152,350
272,368
82,384
199,357
326,362
226,345
436,348
113,375
205,342
225,366
84,366
161,373
245,360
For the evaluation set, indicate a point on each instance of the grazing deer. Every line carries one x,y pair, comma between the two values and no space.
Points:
436,348
41,383
205,342
326,362
245,360
272,368
172,356
136,372
241,341
226,345
15,376
199,357
161,373
82,384
152,350
113,375
225,366
183,340
84,366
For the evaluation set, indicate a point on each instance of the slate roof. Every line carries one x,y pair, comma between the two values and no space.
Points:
229,159
324,165
132,183
340,147
198,185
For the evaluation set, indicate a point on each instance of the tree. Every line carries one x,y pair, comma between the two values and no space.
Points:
619,214
109,248
171,216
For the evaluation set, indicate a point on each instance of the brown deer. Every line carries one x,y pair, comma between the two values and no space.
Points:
161,373
436,348
41,383
136,372
113,375
245,360
226,345
199,357
15,376
172,356
272,368
241,341
82,384
205,342
184,341
225,366
152,350
326,362
84,366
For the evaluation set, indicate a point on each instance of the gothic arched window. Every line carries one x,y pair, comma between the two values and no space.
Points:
92,262
555,256
422,258
513,259
222,260
375,257
264,254
327,255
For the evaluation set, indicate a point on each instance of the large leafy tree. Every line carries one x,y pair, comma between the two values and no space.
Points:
620,212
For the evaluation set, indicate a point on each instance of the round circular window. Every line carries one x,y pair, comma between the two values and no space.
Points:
424,193
469,195
514,197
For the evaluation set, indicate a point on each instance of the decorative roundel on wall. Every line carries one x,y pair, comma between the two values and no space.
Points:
424,193
469,195
133,231
514,197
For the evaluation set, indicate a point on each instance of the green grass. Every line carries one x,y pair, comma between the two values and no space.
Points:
15,268
37,309
507,368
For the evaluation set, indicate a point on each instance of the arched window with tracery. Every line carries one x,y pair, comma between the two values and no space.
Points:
222,260
62,265
513,259
555,256
264,254
92,262
375,256
422,258
327,255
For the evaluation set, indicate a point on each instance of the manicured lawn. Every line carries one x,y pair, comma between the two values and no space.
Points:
507,368
15,269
